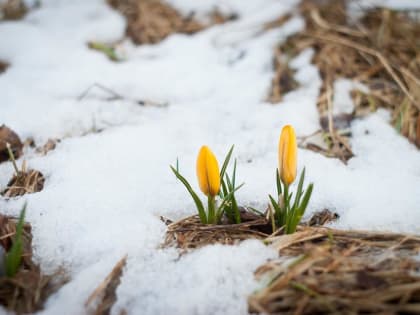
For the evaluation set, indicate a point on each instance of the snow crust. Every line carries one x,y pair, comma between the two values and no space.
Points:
105,191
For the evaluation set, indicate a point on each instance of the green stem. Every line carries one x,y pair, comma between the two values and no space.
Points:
286,211
211,210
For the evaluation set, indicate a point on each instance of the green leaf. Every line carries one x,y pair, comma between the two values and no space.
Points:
223,192
278,182
305,200
227,198
108,50
231,208
234,174
278,212
236,210
299,189
198,203
14,256
226,162
255,211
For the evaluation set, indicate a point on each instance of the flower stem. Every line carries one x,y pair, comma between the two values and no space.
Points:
211,210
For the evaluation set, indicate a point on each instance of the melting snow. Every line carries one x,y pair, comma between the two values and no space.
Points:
104,192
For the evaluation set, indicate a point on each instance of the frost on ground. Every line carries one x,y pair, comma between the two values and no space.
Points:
104,192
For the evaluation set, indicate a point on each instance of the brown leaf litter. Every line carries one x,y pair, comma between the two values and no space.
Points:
190,233
151,21
27,291
327,271
380,50
7,135
104,297
13,10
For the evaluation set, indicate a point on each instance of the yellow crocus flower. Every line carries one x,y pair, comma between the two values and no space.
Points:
287,155
208,172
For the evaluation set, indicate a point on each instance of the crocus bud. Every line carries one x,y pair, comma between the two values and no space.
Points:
208,172
287,155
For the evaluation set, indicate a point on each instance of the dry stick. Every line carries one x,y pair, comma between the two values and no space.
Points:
302,139
117,96
100,86
370,51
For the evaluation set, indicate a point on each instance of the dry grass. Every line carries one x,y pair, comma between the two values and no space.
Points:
27,291
340,272
381,50
151,21
190,233
24,182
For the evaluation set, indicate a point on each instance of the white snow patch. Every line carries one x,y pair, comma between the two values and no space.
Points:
104,192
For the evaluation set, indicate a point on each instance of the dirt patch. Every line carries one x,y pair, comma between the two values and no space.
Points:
27,291
151,21
340,272
380,50
3,66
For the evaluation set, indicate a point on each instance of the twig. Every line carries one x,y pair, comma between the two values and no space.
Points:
117,96
302,139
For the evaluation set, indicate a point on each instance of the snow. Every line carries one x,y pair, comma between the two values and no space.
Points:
343,103
105,191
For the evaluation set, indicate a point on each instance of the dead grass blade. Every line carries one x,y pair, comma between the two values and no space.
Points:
104,297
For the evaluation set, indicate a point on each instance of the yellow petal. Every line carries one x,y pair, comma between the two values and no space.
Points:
287,155
208,172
